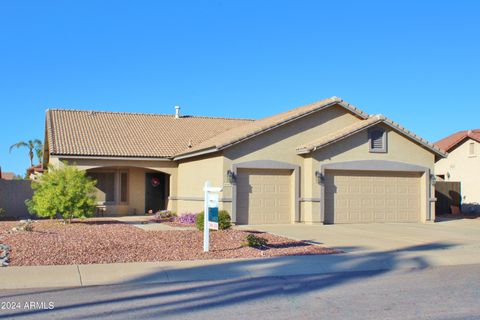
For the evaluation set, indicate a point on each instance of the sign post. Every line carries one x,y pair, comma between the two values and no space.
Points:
210,212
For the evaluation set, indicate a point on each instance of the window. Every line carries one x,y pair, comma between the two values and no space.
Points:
123,187
377,140
471,149
105,185
112,186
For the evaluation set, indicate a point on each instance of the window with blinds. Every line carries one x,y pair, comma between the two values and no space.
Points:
377,140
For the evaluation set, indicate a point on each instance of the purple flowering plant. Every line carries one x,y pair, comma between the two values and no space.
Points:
187,218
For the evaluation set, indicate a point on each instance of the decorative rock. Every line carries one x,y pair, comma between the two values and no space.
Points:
4,252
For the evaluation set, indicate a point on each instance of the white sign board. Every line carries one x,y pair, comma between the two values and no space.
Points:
210,213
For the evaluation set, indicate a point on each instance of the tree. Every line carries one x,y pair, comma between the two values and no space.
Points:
65,190
33,146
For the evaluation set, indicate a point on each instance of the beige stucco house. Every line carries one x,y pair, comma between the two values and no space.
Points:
463,165
327,162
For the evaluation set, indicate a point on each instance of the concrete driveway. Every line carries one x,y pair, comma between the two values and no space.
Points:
456,240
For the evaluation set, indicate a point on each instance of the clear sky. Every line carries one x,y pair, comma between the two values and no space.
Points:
417,62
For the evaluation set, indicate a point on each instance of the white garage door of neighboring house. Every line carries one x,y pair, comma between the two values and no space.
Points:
264,196
371,196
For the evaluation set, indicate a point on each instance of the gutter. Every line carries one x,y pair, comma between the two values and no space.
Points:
110,158
198,153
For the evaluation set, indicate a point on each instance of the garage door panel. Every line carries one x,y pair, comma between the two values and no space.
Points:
370,196
269,188
265,195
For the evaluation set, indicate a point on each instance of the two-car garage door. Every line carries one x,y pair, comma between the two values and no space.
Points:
372,196
264,196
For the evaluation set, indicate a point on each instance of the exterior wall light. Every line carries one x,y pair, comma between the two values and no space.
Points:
231,177
433,179
319,177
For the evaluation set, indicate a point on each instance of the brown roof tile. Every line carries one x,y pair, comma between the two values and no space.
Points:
118,134
453,140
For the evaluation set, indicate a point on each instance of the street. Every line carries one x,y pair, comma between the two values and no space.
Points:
432,293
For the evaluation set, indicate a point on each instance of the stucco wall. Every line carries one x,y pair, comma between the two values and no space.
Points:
191,179
464,168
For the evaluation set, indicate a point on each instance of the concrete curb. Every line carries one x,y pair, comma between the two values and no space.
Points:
204,270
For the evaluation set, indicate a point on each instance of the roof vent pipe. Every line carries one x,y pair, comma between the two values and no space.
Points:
177,112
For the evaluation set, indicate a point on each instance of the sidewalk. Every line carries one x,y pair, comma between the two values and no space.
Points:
175,271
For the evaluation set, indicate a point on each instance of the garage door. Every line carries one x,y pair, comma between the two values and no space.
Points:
371,196
264,196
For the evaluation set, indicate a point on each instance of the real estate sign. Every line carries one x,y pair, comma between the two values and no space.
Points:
211,212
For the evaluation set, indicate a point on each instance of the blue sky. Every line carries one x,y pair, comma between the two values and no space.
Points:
415,61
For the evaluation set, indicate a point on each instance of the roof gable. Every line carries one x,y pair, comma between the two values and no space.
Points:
362,125
255,128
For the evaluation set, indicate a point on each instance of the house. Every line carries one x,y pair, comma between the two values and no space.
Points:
463,165
326,162
35,171
6,175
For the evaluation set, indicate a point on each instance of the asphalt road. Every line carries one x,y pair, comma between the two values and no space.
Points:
434,293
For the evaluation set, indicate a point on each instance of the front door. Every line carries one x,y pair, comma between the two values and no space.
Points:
155,192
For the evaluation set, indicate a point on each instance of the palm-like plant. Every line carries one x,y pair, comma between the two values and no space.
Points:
33,146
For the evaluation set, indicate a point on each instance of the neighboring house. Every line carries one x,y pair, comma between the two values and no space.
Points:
7,175
35,171
324,162
462,164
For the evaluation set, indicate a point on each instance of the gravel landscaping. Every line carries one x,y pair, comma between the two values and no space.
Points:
109,241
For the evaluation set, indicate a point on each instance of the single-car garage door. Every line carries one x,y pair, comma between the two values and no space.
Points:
264,196
371,196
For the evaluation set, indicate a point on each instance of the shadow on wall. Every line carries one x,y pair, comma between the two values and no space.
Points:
179,298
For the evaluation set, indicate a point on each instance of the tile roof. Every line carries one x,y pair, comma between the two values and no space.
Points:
257,127
361,125
119,134
453,140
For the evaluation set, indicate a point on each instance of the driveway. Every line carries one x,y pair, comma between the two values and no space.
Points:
455,240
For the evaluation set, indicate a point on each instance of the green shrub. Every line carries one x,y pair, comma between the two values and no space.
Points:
3,213
255,242
66,190
224,220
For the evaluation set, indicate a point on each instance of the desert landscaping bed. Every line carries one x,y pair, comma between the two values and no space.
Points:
109,241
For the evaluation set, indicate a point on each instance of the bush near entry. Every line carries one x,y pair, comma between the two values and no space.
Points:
65,190
224,220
